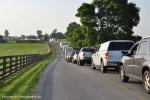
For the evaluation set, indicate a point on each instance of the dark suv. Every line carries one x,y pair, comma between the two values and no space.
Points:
136,63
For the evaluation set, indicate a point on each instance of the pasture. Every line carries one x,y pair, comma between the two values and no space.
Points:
11,48
25,81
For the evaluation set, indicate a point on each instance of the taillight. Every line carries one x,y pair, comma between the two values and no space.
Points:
106,55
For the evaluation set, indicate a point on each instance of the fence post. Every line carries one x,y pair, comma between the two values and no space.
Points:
20,62
23,61
10,65
28,59
4,67
16,69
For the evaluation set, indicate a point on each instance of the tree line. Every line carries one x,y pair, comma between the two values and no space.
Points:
103,20
39,37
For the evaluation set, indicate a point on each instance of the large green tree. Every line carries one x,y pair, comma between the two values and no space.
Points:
6,33
75,35
39,34
104,20
57,35
47,37
71,27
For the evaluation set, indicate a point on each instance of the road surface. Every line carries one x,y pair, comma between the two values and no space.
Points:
67,81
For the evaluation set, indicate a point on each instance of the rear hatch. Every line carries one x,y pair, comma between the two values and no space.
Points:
115,50
88,52
115,56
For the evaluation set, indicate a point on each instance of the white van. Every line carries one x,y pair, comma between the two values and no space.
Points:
67,49
64,47
109,54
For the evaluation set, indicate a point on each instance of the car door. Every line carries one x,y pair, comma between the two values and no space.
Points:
139,58
129,62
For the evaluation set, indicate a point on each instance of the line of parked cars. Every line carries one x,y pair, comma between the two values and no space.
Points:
129,58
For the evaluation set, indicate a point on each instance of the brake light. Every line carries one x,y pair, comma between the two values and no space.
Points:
106,55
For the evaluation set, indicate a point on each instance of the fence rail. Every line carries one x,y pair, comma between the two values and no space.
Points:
12,64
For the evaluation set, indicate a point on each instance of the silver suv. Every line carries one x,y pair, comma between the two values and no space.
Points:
136,63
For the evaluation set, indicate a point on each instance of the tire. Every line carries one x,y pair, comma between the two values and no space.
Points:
118,69
123,77
66,60
146,81
103,68
77,62
92,65
81,63
73,61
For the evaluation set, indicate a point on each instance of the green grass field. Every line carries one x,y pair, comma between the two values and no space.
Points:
24,82
22,48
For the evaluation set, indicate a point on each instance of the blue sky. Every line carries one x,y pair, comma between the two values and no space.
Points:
26,16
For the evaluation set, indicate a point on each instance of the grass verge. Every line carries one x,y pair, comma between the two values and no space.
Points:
24,83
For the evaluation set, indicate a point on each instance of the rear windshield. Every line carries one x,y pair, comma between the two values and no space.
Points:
88,50
120,45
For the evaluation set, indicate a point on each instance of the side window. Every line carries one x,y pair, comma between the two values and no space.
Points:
143,48
134,49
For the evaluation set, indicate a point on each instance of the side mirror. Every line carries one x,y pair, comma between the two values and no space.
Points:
94,52
125,53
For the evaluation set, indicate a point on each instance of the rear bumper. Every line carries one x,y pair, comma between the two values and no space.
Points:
87,60
69,59
112,64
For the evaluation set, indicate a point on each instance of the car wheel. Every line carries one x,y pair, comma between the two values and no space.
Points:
92,65
81,63
77,62
146,81
73,61
66,60
103,68
123,77
118,69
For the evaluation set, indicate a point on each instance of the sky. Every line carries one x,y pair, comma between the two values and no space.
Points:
25,17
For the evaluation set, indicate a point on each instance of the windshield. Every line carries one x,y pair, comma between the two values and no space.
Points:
88,49
120,45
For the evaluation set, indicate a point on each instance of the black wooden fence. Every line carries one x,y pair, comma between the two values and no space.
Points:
9,65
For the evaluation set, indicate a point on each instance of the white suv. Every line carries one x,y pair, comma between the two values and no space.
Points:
109,54
85,55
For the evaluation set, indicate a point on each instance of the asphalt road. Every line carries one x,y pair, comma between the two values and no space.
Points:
67,81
